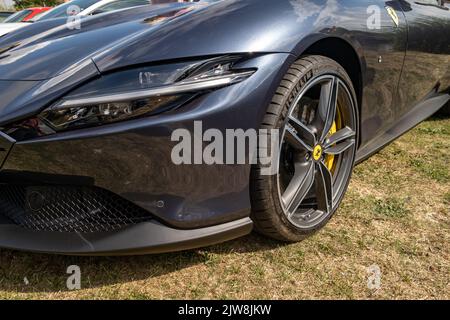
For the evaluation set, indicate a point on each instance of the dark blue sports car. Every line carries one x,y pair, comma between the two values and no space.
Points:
122,133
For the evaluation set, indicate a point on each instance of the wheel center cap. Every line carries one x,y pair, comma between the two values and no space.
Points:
317,153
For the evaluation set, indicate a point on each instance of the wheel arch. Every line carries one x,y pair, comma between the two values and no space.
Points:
348,55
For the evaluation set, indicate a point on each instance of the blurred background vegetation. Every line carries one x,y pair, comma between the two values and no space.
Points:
21,4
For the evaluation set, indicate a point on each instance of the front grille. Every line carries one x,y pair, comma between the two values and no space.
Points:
68,209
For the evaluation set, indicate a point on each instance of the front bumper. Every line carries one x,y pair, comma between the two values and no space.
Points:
193,205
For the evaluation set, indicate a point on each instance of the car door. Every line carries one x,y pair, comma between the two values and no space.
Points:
384,49
426,68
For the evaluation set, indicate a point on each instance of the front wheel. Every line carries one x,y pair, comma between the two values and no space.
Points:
315,112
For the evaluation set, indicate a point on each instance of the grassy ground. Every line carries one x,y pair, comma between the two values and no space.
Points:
396,215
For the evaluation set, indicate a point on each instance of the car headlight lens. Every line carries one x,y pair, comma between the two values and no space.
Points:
141,92
86,115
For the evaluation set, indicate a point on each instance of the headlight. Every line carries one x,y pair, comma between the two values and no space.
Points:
141,92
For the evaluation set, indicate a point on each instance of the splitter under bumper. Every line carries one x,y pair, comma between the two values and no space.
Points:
144,238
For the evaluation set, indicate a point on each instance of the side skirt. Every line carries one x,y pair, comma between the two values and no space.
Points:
418,114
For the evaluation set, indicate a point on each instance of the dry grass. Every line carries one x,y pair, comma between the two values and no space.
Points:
396,215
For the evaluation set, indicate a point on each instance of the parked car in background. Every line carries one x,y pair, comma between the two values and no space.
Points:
63,10
9,27
113,5
20,19
38,16
90,7
85,8
26,14
4,15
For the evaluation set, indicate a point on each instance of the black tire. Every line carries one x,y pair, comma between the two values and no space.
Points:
269,217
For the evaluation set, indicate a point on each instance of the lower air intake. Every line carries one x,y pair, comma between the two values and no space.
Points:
68,209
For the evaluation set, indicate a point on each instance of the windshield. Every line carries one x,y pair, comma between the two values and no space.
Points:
62,10
18,16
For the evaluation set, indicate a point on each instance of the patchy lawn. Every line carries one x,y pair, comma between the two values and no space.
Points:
396,216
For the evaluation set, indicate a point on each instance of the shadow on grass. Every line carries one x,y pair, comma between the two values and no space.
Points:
47,273
439,116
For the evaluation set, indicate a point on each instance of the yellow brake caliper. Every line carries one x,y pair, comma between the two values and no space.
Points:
329,160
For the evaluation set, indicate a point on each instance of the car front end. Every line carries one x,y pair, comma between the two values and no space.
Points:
86,148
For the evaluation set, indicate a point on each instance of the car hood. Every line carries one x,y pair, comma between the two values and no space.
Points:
137,36
53,47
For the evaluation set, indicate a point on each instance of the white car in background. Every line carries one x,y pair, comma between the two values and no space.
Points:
8,27
76,7
90,7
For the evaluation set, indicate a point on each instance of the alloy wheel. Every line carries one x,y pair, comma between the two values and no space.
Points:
317,151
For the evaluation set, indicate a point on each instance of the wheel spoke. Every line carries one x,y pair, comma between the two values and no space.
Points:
299,135
340,141
294,141
341,135
340,148
304,132
299,186
324,188
327,106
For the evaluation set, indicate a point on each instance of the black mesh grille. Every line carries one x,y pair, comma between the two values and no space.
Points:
68,209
